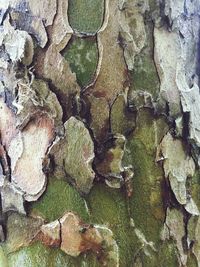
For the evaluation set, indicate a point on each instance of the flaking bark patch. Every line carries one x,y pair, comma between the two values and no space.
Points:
32,18
50,234
21,231
75,153
111,69
174,228
74,237
27,173
178,166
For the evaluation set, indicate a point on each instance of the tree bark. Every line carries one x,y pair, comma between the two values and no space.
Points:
99,133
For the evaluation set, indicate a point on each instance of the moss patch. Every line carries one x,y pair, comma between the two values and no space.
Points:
108,206
144,77
37,255
59,198
82,55
167,255
146,203
86,16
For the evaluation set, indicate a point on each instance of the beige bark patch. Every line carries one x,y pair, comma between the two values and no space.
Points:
27,173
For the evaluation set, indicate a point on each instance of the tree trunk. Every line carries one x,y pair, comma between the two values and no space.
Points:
99,133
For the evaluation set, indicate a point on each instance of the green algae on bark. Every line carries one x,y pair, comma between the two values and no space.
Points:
58,198
82,55
166,255
144,76
145,205
121,119
86,16
108,206
193,185
40,255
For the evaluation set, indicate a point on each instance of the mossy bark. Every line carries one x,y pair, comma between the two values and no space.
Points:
100,121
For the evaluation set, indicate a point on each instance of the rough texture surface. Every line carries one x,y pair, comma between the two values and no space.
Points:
99,133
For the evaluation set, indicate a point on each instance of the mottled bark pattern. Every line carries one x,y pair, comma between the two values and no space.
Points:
99,133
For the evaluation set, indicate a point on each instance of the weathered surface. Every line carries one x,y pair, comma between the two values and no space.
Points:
21,231
111,167
50,234
193,235
190,99
111,64
12,198
74,154
174,228
178,167
33,19
58,75
121,119
74,237
86,16
30,177
77,238
83,63
132,29
99,120
166,66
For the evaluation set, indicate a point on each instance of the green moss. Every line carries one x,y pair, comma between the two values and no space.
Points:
146,203
82,55
121,120
108,206
86,16
38,255
144,77
59,198
167,255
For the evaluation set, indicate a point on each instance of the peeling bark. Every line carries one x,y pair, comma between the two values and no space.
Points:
99,120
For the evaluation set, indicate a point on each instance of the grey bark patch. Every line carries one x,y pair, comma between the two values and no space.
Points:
190,99
178,166
12,199
21,230
75,153
174,228
132,29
